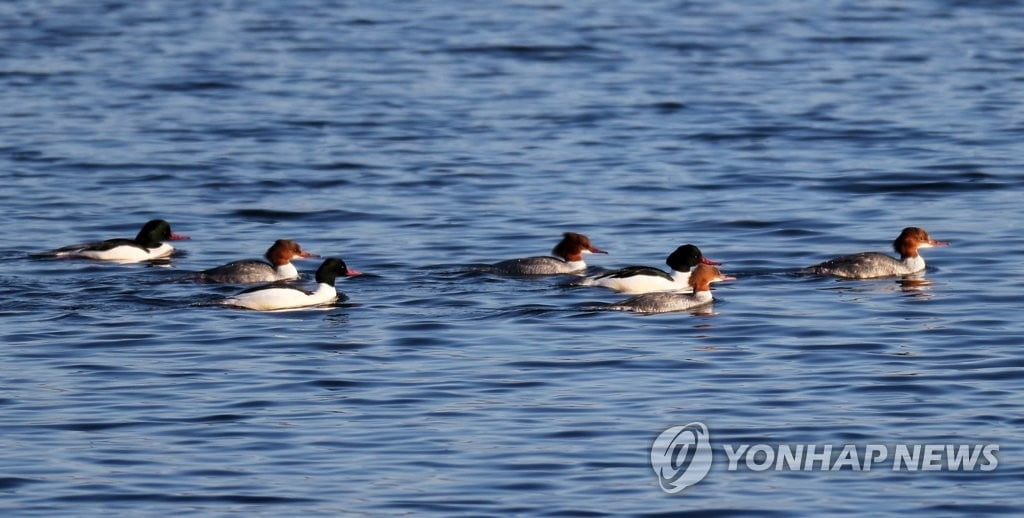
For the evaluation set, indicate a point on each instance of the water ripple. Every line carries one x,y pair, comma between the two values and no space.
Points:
421,143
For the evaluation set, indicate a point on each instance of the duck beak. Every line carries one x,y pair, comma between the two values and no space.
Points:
352,272
596,250
305,254
935,242
728,278
179,237
705,260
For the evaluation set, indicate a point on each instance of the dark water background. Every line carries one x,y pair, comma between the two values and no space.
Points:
414,137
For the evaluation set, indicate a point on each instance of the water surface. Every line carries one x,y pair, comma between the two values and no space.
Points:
413,139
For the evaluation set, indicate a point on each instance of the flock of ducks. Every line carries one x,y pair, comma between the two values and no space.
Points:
686,286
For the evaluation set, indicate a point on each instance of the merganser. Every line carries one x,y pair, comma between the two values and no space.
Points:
867,265
149,244
700,280
286,296
568,258
278,266
645,279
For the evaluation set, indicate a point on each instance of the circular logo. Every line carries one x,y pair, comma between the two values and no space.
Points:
681,456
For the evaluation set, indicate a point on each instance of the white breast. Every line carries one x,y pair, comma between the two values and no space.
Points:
128,253
286,272
270,299
645,283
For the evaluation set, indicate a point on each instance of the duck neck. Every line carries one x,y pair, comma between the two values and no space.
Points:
324,288
286,271
702,296
578,264
914,262
681,277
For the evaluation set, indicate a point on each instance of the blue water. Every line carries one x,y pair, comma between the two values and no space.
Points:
413,139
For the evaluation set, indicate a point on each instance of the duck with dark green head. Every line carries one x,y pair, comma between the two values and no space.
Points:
150,243
279,295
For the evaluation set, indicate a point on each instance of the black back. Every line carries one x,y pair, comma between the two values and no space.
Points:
276,286
110,244
631,271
